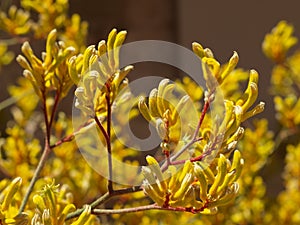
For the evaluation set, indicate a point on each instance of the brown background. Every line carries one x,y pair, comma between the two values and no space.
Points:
223,26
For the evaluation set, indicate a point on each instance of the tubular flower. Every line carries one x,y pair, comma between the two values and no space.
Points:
277,43
76,33
213,72
16,21
215,75
97,74
196,186
52,15
163,111
21,152
240,109
237,109
288,110
50,73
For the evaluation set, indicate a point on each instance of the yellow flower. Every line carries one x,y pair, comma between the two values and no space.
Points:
277,43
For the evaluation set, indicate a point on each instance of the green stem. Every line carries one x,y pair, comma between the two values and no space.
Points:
99,201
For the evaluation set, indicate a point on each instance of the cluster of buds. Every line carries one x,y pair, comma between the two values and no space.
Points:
5,56
236,110
213,73
52,15
285,75
163,113
198,187
97,74
224,136
16,21
50,73
279,41
288,111
207,180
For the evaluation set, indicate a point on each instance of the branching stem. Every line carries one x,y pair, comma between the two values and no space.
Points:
46,151
102,129
195,138
108,196
71,136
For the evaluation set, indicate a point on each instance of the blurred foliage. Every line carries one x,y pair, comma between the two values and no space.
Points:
5,56
212,168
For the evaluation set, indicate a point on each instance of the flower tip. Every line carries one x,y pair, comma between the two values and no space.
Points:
235,57
123,32
196,45
53,31
71,49
151,160
17,180
253,76
141,99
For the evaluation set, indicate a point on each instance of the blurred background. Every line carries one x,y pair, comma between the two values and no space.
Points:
223,26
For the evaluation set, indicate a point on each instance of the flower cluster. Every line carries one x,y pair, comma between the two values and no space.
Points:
50,73
290,198
97,74
208,178
163,113
279,41
16,21
196,186
5,56
53,204
210,158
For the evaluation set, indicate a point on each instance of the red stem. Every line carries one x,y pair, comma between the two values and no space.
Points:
195,139
56,100
108,130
